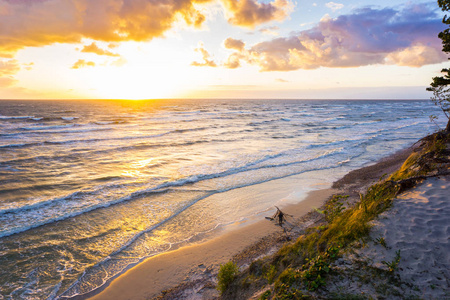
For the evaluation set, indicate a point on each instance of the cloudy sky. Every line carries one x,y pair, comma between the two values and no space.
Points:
143,49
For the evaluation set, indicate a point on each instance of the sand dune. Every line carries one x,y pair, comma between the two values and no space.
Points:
416,230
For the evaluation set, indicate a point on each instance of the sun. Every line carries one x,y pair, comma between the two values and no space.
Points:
145,72
133,83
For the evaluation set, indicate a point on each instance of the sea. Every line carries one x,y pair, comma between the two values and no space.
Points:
90,188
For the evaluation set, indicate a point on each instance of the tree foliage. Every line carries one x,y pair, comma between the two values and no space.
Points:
440,85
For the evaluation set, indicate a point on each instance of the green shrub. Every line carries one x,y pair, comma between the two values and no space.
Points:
227,273
381,241
316,269
265,295
270,274
393,265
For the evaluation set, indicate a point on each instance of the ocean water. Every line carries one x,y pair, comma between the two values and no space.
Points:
88,188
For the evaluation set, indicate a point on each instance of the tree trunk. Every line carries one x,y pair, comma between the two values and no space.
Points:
447,129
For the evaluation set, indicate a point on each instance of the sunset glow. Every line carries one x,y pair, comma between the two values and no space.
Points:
124,49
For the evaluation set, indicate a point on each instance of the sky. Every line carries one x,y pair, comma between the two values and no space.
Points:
277,49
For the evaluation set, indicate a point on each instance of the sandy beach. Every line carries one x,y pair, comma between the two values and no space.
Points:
190,272
199,263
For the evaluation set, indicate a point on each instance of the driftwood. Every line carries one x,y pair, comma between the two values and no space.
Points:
281,216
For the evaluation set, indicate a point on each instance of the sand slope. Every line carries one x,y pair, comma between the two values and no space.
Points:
417,225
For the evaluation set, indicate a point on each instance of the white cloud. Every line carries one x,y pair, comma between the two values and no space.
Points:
334,6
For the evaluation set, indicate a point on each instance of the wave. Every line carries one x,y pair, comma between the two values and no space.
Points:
68,111
49,127
157,189
150,136
265,162
37,205
335,143
268,122
252,166
26,145
105,122
15,117
15,145
406,124
92,151
20,212
75,130
40,119
53,119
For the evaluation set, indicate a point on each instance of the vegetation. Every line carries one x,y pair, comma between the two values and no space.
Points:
439,86
334,207
392,265
382,242
270,274
300,269
227,273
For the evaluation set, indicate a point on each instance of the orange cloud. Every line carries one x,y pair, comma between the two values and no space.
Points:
7,81
416,56
270,30
231,43
119,63
28,66
207,62
93,48
81,63
249,13
9,67
39,23
234,61
27,23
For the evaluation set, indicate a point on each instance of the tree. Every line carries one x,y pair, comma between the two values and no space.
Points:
440,85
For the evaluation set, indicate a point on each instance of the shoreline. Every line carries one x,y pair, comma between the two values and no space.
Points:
191,270
188,263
